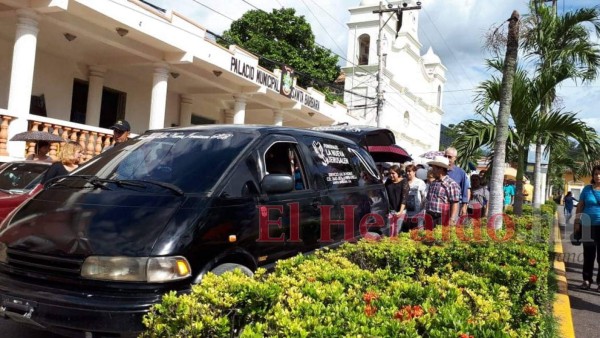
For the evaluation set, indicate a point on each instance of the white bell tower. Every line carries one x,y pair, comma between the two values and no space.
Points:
412,84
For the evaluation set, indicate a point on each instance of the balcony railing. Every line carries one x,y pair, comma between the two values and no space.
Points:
92,139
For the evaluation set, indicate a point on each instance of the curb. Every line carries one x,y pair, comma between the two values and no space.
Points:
562,305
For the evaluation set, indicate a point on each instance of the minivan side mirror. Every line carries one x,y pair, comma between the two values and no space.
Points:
277,183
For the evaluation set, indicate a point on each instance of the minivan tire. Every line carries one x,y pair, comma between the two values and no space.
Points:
222,268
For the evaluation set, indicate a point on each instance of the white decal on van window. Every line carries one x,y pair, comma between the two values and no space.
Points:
318,148
341,177
330,153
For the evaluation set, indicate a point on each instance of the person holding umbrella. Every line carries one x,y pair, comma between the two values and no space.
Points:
41,154
43,139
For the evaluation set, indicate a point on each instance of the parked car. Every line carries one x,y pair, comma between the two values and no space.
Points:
93,251
19,181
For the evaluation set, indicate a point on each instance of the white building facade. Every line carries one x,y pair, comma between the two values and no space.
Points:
412,83
74,67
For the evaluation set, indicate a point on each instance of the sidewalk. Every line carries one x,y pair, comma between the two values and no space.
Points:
585,304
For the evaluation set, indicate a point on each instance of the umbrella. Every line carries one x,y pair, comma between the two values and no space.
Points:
430,155
510,173
30,136
391,153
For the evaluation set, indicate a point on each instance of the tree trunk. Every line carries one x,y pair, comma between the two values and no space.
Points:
508,74
537,187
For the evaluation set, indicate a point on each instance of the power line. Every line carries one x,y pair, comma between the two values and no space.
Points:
280,63
316,43
326,12
214,10
324,29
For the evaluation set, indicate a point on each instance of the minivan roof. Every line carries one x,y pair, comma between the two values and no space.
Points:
261,129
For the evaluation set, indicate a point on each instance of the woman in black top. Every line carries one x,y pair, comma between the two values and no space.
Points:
397,189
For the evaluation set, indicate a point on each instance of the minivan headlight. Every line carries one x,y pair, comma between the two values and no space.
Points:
136,269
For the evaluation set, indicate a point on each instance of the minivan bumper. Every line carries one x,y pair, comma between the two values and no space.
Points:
74,313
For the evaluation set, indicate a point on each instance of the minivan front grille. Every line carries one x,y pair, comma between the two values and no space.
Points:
44,263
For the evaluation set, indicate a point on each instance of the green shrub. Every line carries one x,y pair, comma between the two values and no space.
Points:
443,284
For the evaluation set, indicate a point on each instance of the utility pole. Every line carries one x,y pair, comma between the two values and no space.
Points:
390,9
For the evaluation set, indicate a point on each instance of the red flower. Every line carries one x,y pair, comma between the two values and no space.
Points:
408,312
417,311
311,279
400,315
465,335
533,279
370,310
370,296
532,262
530,310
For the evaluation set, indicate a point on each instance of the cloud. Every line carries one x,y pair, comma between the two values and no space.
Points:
455,29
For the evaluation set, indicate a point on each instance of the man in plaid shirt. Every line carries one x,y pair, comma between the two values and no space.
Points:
443,196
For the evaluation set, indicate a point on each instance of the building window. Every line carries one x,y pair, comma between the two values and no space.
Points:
439,97
364,43
112,107
406,118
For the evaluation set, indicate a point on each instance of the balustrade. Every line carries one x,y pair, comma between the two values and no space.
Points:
92,142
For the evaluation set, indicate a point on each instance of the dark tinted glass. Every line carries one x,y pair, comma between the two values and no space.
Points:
192,160
19,175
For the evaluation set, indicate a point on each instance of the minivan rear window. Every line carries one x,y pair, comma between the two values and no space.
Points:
193,161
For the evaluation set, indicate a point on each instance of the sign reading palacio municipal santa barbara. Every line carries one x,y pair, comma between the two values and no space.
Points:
270,81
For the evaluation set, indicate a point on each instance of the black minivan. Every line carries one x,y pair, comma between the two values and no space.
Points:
90,253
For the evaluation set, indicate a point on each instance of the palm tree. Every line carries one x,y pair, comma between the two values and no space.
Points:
560,42
528,123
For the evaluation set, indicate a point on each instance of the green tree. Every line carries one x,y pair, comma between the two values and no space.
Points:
555,127
560,43
282,37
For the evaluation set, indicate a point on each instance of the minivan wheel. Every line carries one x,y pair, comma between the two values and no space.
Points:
222,268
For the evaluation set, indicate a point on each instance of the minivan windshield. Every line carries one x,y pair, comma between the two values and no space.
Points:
192,161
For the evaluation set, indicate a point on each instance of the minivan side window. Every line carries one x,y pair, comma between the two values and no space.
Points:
283,158
366,169
337,165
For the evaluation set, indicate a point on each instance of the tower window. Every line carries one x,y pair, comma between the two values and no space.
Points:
364,42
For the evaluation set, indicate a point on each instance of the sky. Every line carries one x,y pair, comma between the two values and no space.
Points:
454,29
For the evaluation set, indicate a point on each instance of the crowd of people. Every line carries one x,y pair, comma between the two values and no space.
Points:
440,192
423,196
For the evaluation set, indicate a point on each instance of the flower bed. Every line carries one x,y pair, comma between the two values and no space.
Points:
458,284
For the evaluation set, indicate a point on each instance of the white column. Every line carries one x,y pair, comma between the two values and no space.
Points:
94,99
21,79
227,116
159,96
239,109
185,110
278,118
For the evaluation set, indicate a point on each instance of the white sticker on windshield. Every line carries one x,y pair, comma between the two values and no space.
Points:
183,135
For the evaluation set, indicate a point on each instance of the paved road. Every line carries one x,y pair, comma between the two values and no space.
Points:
585,304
